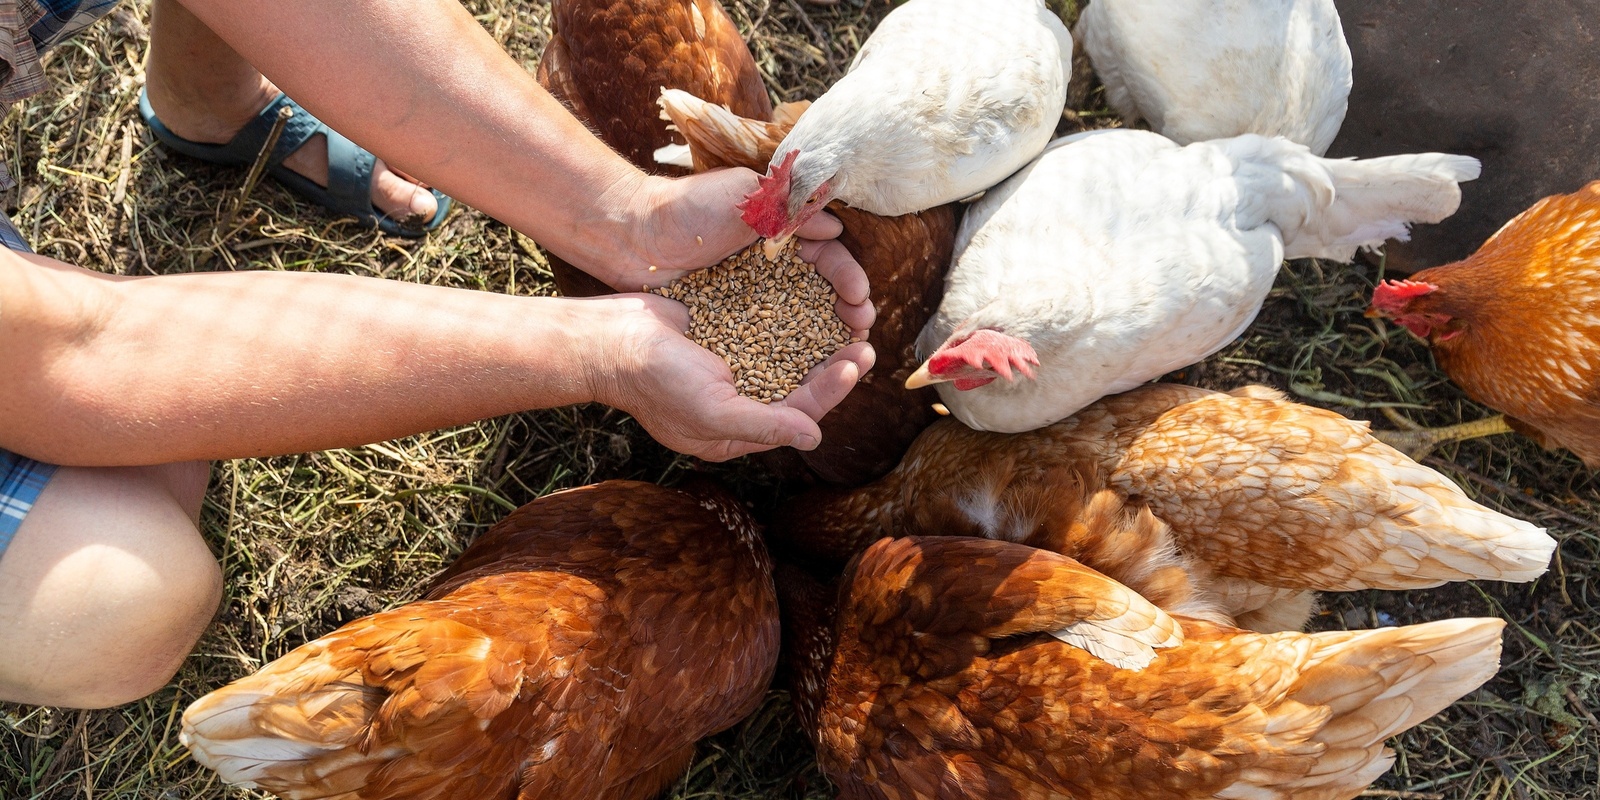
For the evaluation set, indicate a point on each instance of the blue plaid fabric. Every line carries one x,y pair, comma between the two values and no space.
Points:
21,481
30,27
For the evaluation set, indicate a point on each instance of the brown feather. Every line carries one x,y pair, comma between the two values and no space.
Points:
562,655
608,59
944,682
1527,306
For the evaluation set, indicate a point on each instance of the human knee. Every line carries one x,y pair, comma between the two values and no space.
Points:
104,592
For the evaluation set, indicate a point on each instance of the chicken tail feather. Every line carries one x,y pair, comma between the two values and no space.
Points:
1377,684
719,138
1332,207
297,741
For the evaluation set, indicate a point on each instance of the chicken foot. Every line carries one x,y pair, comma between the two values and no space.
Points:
1417,442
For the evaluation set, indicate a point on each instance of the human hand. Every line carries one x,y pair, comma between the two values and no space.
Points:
685,224
684,395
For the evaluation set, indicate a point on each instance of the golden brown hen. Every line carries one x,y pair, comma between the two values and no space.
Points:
958,667
905,259
607,60
1517,326
1269,499
563,655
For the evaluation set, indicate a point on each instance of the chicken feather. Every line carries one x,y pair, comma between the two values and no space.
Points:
1118,256
1266,499
1517,324
606,61
1210,69
561,655
902,704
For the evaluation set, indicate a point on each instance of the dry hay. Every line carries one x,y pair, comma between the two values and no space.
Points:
308,542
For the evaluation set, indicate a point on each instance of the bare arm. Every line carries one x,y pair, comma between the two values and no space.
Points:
99,370
421,84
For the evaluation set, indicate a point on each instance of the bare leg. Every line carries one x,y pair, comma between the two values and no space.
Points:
106,586
1417,442
205,92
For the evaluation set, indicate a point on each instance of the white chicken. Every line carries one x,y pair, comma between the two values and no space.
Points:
945,99
1119,256
1210,69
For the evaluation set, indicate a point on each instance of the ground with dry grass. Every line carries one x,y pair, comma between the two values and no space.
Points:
309,542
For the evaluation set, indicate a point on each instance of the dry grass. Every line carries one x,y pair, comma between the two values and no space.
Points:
311,541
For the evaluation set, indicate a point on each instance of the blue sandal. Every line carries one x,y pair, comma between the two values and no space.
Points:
349,190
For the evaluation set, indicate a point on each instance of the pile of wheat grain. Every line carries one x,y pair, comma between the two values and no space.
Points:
770,320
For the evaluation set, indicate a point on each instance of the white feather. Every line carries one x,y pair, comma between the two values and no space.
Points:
1210,69
1120,256
945,99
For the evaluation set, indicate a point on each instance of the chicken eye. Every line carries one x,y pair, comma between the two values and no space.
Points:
811,200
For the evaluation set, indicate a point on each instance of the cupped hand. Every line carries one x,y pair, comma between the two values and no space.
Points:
684,395
692,222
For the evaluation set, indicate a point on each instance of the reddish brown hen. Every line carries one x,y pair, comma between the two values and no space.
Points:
1517,326
563,655
905,259
1271,499
607,60
959,667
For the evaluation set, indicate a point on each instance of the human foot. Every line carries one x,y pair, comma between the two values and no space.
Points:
213,113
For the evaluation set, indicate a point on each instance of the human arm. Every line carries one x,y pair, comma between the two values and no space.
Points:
421,84
101,370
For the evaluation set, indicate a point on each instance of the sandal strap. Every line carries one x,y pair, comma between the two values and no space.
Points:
350,175
300,127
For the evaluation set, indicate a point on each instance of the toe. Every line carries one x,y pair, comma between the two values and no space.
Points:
399,198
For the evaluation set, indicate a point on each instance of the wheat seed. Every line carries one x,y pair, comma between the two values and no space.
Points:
769,321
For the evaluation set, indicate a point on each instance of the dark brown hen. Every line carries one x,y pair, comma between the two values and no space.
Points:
563,655
608,60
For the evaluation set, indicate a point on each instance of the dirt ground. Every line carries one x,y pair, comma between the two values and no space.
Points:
309,542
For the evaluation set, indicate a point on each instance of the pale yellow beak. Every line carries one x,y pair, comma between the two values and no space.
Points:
922,377
772,247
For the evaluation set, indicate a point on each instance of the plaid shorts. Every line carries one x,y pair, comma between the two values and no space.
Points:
21,481
30,27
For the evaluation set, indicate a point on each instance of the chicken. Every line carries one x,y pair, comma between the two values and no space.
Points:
905,258
607,60
1517,325
945,99
1218,68
1267,499
1118,256
958,667
563,655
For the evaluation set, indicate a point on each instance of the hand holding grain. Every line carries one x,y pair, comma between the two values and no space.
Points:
685,396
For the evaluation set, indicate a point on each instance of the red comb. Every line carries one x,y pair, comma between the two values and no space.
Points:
767,208
1391,297
989,351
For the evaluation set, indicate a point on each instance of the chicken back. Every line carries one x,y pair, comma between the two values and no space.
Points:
608,59
563,655
1517,324
1271,499
959,667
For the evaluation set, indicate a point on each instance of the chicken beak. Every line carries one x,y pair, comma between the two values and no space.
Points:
1372,313
922,377
772,247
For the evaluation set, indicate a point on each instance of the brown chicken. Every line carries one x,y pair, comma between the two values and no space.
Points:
607,60
1268,499
1517,326
563,655
958,667
905,259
